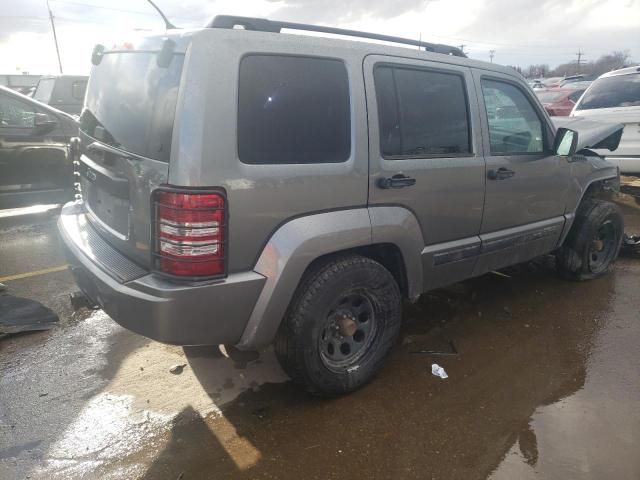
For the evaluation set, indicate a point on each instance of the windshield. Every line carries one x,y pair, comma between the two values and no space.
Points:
131,101
618,91
44,90
550,97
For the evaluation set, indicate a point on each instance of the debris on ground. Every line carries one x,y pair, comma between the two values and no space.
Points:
438,371
3,287
500,274
631,244
23,315
177,369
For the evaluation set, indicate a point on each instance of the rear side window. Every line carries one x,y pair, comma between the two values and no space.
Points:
421,113
609,92
293,110
78,89
44,90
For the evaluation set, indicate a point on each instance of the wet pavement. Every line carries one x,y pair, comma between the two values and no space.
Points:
545,385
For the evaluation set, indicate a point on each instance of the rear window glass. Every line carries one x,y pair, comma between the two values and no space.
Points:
293,110
44,90
131,101
609,92
421,113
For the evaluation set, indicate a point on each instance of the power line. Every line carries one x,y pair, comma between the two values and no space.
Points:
580,54
55,37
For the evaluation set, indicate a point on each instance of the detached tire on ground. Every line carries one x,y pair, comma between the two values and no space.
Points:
342,322
593,243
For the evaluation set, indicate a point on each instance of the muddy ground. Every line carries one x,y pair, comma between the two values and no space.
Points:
545,385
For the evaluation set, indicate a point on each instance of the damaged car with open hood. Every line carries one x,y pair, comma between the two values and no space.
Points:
245,186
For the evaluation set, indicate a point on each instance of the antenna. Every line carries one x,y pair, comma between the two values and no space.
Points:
168,25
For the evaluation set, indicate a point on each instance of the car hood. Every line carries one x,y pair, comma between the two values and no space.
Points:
592,134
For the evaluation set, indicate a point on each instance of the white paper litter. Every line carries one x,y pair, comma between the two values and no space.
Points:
438,371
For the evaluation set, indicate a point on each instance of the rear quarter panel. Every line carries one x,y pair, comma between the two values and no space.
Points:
205,153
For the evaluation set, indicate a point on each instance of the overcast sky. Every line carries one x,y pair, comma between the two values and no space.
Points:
521,32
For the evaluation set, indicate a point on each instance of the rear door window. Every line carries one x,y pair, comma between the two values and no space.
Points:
610,92
421,113
293,110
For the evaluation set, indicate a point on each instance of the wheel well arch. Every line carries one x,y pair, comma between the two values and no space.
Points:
388,255
600,188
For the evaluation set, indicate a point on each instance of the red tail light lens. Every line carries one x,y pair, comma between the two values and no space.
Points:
190,233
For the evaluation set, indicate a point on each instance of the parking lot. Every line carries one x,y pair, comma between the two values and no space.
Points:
544,384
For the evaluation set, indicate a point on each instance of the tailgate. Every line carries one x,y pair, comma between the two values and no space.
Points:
125,143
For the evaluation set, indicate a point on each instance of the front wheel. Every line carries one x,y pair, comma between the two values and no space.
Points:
593,243
344,319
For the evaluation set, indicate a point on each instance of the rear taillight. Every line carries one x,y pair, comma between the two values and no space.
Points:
190,233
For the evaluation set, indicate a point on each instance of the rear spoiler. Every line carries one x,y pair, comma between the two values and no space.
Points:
165,54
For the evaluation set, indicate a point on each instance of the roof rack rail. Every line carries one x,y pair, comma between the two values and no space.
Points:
274,26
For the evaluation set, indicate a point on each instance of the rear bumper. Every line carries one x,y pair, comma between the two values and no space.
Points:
140,301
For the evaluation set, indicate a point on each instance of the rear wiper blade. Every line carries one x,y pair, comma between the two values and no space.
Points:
101,147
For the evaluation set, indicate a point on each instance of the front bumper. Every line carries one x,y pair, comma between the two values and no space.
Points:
208,314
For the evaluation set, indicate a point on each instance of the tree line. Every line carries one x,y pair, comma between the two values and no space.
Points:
606,63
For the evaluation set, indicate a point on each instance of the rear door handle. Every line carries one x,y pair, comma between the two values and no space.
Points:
397,181
500,174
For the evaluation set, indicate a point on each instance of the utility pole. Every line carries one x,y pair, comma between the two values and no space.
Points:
580,54
420,40
461,47
491,55
55,37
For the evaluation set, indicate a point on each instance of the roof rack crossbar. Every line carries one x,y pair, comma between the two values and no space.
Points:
264,25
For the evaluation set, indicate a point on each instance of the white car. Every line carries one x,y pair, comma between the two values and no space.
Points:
615,97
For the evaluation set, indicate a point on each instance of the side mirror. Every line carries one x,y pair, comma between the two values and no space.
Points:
43,123
565,142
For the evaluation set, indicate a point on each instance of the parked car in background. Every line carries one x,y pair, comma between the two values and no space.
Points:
317,185
25,83
35,165
536,84
559,102
552,82
615,97
575,79
64,92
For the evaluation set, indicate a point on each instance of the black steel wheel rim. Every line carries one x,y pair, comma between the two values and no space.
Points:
603,247
348,331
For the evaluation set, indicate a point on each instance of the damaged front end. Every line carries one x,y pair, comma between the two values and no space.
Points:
591,135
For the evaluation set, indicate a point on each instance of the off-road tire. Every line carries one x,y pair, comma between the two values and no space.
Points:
298,343
573,259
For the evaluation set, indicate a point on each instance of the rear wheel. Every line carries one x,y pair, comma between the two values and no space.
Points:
342,322
593,243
